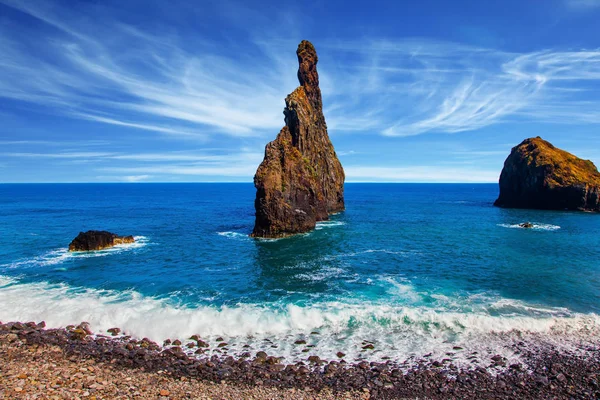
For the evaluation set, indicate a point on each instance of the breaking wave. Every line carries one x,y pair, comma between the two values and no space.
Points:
536,227
486,324
59,256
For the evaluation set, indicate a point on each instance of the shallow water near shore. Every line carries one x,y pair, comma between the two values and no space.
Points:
412,269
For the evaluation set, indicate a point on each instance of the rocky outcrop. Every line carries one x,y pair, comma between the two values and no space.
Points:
300,180
538,175
98,240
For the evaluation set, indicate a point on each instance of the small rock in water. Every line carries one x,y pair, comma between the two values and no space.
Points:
314,359
340,354
85,326
300,341
114,331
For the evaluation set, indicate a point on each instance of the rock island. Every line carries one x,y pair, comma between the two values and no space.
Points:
540,176
300,181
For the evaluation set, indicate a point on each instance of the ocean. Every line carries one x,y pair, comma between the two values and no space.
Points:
411,269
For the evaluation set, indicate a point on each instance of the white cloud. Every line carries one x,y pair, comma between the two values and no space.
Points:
409,87
134,77
419,174
193,157
66,155
582,4
115,74
135,178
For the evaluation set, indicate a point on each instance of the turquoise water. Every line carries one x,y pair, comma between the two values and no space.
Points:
415,268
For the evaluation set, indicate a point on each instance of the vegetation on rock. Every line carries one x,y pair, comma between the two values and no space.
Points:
300,180
539,175
98,240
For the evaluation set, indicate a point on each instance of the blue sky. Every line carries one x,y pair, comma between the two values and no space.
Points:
428,91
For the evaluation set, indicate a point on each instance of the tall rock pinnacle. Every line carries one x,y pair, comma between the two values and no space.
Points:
300,180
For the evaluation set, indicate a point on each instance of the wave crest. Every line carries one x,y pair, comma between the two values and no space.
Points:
397,331
59,256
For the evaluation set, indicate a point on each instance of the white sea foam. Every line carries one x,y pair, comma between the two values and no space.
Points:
401,290
328,224
400,332
406,253
536,226
59,256
322,274
234,235
245,236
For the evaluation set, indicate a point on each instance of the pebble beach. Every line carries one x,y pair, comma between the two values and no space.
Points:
74,363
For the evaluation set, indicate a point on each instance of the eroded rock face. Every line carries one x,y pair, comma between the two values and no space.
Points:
300,180
538,175
98,240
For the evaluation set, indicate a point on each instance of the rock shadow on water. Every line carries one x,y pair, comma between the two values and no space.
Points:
300,263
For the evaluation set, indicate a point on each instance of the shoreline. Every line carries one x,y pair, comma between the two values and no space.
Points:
545,371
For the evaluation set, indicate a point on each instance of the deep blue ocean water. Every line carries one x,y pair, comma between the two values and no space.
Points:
415,268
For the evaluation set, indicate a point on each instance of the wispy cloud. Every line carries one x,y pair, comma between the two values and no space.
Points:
191,157
415,86
117,74
65,155
360,173
135,178
582,4
115,166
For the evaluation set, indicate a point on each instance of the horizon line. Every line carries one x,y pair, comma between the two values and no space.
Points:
244,182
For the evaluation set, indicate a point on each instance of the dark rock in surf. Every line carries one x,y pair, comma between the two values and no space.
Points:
98,240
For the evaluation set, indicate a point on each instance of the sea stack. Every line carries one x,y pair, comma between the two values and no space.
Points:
540,176
98,240
301,180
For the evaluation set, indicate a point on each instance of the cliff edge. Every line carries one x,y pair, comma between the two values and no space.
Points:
301,180
538,175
